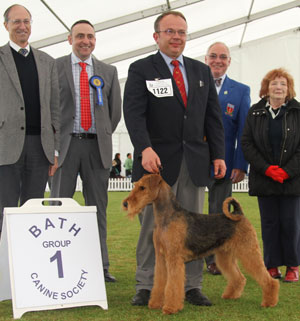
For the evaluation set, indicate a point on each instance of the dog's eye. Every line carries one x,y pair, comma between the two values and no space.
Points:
142,188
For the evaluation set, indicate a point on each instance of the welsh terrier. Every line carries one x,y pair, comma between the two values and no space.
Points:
180,236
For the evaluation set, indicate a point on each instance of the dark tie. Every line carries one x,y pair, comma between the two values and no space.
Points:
218,82
177,75
23,51
86,118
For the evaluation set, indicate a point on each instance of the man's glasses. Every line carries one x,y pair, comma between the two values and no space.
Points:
172,32
17,22
214,57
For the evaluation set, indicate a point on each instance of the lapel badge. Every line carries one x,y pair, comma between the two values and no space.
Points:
225,92
229,110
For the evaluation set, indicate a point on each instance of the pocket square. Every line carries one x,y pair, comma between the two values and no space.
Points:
201,83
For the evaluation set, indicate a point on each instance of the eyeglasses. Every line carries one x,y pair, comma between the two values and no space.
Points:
214,57
172,32
17,22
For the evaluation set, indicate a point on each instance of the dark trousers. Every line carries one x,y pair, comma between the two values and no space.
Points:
280,226
25,179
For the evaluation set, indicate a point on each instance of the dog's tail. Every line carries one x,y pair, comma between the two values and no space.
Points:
237,212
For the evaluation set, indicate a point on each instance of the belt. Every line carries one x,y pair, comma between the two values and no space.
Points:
84,135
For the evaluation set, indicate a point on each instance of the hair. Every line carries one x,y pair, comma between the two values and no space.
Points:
81,21
271,75
167,13
7,11
128,154
117,155
218,43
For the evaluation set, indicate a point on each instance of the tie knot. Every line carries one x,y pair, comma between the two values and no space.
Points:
218,82
82,65
175,63
23,51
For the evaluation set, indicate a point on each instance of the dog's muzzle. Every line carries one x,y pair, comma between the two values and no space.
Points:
125,204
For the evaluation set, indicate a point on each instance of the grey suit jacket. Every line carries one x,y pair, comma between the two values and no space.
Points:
12,111
107,116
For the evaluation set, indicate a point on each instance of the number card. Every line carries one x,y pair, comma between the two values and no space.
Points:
54,256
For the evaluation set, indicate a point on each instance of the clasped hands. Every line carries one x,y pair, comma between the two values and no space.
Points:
276,173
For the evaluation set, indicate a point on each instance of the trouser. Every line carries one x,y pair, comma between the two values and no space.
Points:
191,198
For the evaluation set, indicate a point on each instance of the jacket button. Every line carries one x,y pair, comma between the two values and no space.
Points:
22,128
184,142
22,108
185,117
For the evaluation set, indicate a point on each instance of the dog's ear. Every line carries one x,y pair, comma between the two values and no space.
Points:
154,181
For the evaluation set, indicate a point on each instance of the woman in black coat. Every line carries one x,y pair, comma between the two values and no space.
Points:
271,144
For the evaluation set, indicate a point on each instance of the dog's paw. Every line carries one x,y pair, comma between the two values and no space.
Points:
171,309
155,304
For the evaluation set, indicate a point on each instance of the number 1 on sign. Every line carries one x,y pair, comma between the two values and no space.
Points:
57,256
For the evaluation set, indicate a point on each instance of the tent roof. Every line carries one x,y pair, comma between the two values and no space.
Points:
125,28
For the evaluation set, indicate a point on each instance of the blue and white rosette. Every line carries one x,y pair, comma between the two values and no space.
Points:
98,83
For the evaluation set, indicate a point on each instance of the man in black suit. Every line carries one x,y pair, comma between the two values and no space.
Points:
174,128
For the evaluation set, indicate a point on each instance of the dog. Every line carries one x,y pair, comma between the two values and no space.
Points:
181,236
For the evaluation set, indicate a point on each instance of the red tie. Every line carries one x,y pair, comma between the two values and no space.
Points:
86,118
177,75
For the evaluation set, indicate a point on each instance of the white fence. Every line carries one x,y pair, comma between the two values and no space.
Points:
124,185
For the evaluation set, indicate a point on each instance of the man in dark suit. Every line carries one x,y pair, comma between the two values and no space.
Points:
87,148
234,98
29,114
175,126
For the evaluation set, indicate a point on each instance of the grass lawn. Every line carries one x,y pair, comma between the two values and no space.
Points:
122,240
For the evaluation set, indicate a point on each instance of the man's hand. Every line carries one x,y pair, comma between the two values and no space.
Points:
150,160
53,168
237,175
219,168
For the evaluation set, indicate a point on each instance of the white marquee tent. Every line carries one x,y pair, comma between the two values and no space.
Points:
261,34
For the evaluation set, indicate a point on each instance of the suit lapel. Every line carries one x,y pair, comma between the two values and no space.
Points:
42,67
225,91
191,80
10,66
162,68
69,75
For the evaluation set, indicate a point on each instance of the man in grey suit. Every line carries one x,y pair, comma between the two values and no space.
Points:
29,114
87,148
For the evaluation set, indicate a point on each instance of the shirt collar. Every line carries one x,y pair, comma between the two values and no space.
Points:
269,107
223,78
168,60
75,60
17,47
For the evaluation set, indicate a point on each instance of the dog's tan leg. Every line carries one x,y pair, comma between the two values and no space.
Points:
253,263
160,278
174,292
230,270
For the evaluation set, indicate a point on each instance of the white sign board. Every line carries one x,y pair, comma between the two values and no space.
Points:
54,256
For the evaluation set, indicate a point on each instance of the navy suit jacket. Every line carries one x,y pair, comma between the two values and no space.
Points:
234,98
173,131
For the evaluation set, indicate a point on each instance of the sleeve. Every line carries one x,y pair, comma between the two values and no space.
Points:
135,108
115,101
250,150
239,159
55,106
214,128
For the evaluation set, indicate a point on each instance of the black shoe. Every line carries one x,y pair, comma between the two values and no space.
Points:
108,277
195,297
141,298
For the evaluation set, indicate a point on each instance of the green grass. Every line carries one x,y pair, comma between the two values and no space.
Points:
122,240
